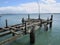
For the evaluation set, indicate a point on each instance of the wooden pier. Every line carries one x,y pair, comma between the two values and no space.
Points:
24,28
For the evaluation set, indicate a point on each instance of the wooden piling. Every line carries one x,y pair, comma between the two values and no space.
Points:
51,21
23,20
46,27
40,23
6,23
39,17
25,29
32,36
28,16
50,24
51,17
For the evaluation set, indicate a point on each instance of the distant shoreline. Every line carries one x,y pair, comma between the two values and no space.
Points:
29,13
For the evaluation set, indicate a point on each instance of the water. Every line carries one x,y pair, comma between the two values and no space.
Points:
52,37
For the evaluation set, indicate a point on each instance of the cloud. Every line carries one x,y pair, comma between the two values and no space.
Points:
47,6
23,8
49,1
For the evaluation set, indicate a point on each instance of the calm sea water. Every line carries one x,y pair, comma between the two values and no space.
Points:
52,37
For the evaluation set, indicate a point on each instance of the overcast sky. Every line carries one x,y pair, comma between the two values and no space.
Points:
29,6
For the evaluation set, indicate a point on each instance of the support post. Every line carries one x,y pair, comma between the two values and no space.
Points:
23,21
39,17
25,29
6,23
51,21
51,17
40,23
32,36
28,16
50,24
46,27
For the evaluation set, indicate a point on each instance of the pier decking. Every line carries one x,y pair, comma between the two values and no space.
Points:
24,28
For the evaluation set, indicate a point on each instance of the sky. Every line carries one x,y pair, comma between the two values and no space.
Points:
29,6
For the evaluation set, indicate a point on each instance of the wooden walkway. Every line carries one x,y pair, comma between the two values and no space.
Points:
23,28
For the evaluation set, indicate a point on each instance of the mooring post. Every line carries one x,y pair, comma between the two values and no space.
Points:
39,17
23,20
40,23
32,36
25,29
28,16
6,23
51,17
46,27
50,24
51,21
